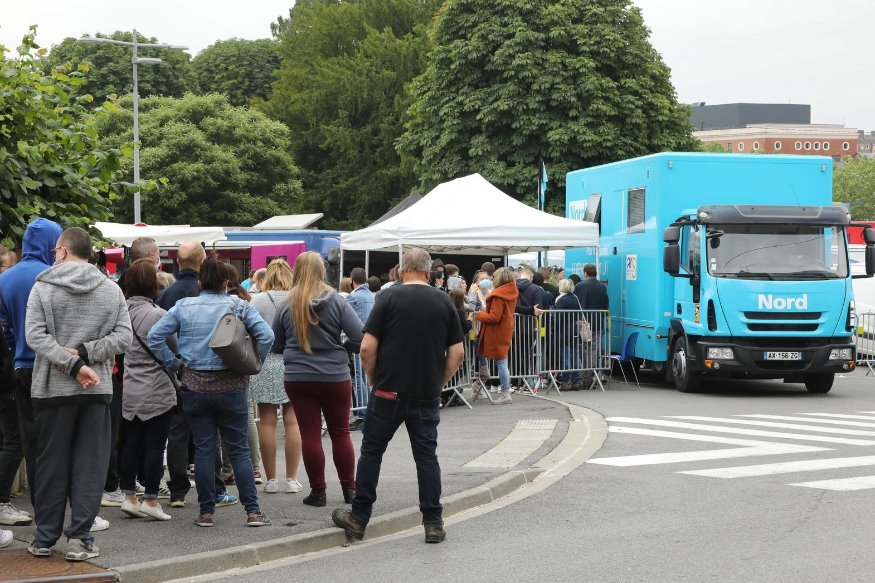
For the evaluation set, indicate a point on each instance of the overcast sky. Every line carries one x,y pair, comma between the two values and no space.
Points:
720,51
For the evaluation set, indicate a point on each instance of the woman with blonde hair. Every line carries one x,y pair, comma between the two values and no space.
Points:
496,330
307,332
267,390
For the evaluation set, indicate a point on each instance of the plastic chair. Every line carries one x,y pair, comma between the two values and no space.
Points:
626,356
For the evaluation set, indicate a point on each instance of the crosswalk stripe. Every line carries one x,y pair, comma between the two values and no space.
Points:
810,420
693,436
785,467
839,416
841,484
819,429
742,431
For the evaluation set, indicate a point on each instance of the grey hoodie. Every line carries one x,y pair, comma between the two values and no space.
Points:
73,305
329,362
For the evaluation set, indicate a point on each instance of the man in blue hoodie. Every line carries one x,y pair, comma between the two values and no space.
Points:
15,285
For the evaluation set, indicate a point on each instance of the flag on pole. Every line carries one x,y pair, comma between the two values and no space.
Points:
542,184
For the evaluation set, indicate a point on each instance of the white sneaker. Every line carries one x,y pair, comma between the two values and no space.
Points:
293,486
503,398
272,486
155,512
163,490
112,499
133,509
78,550
99,524
5,538
11,516
140,489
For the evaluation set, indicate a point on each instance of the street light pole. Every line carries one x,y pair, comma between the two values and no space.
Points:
137,217
135,60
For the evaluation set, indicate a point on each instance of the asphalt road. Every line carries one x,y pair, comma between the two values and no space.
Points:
634,513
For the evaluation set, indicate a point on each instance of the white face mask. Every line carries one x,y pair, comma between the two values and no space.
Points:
158,264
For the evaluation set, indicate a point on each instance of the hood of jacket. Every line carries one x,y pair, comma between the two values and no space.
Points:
507,291
76,277
39,240
523,284
319,303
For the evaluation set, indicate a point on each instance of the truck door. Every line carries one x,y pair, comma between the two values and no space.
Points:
687,290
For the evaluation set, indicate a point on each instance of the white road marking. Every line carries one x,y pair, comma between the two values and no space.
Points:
839,416
752,448
524,439
778,425
810,420
742,431
841,485
785,467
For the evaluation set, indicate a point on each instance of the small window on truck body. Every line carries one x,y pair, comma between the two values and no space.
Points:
593,213
635,210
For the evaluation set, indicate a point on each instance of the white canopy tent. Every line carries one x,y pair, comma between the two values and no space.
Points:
470,216
124,234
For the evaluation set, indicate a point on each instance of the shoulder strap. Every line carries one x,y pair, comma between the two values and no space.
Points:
270,297
156,359
579,305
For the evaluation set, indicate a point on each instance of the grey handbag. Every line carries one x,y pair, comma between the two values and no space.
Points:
234,344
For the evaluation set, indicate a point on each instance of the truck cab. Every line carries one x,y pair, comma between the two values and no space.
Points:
761,291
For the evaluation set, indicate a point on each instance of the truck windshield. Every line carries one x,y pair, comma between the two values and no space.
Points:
776,251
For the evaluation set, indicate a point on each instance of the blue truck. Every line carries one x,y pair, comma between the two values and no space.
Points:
723,264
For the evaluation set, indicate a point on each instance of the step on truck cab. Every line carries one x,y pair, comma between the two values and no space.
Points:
723,264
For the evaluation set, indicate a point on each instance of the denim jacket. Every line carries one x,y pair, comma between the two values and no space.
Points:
362,301
193,320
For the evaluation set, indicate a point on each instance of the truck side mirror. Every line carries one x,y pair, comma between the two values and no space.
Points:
672,235
870,260
869,235
671,258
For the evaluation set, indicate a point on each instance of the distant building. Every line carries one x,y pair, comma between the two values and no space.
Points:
773,138
866,144
729,116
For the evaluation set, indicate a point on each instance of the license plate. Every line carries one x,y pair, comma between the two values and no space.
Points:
782,355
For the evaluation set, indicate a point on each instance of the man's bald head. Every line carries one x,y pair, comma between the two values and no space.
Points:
190,255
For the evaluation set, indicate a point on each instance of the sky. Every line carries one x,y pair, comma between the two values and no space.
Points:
720,51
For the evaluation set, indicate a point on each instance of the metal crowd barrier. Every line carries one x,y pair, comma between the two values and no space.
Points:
865,340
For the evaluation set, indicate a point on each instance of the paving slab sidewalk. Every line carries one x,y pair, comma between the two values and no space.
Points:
463,436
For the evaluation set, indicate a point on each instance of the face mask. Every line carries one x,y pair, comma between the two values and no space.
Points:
485,284
158,264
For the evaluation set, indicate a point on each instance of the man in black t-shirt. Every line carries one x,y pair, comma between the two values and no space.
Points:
412,346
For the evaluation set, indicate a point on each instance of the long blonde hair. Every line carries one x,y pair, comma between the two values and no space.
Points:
308,283
278,276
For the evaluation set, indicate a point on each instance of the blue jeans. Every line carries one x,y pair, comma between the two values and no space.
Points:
208,415
360,387
384,417
503,371
570,360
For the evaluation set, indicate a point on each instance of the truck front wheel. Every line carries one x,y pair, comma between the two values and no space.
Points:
685,380
819,383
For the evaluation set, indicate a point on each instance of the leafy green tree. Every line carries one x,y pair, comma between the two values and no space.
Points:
243,70
110,67
714,147
341,90
854,183
52,163
574,82
219,164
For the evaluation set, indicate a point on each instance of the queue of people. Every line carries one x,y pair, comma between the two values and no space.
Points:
100,381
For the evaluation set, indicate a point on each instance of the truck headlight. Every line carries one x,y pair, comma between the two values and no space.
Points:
841,354
718,352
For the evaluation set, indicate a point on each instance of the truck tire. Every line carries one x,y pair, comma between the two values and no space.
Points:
685,380
819,383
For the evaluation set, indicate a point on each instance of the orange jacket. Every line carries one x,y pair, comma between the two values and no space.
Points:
496,322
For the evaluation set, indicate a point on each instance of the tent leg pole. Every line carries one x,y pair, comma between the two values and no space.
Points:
340,274
368,263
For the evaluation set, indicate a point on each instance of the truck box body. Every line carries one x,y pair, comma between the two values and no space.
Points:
749,306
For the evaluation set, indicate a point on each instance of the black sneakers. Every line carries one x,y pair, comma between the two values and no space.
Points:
434,533
343,518
315,498
348,495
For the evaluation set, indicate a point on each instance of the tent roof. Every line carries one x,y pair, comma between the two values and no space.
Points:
124,234
471,216
412,199
289,222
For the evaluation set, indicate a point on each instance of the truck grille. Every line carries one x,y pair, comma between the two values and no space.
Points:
768,327
782,315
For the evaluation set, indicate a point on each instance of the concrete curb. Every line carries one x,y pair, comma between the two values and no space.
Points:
586,433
